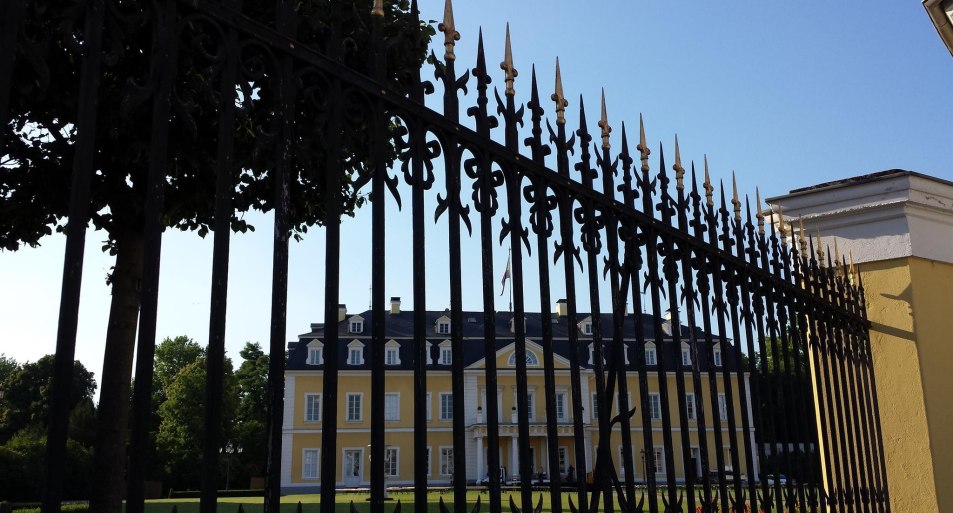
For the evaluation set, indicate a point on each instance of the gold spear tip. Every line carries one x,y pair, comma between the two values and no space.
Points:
449,30
734,192
642,133
678,155
604,123
559,97
679,170
378,9
507,65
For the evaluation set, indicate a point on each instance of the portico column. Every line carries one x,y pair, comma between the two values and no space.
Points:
479,458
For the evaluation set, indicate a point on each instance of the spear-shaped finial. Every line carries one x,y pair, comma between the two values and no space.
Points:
604,123
836,253
643,147
679,170
378,9
758,213
507,65
709,189
559,97
820,248
734,199
852,269
783,230
802,241
450,34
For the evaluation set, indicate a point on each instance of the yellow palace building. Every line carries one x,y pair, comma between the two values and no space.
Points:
301,438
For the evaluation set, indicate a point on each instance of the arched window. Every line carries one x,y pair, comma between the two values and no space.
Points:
531,359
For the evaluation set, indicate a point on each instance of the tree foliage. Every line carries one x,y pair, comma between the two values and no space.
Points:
27,395
251,422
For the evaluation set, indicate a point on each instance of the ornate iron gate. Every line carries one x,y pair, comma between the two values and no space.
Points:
774,332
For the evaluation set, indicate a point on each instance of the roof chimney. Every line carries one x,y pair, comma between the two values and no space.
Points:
342,312
562,308
394,305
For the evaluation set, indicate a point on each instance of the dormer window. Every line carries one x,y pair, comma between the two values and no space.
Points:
585,326
651,358
446,353
443,325
356,324
392,353
686,354
717,356
355,353
315,353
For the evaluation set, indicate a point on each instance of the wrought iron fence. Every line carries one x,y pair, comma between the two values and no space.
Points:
775,336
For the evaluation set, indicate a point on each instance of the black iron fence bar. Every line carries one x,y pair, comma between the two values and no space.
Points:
332,268
861,403
671,258
790,427
81,179
870,391
780,359
746,385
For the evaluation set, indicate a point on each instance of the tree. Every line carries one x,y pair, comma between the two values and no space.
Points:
7,367
251,421
26,399
172,355
182,430
38,146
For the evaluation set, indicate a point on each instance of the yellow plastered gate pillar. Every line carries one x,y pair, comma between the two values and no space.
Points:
898,227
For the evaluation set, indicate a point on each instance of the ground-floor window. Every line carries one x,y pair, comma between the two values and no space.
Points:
309,466
446,461
391,460
563,459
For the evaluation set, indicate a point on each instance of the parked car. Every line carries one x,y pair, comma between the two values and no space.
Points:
486,479
779,479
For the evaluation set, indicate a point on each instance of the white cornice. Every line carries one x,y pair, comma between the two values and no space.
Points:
880,217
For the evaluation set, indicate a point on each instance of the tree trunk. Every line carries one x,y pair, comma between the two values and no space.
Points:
109,463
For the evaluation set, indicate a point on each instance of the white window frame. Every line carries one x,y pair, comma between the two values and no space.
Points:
392,353
686,354
446,414
315,354
722,407
562,459
561,404
355,326
392,416
429,405
655,406
690,407
659,460
531,359
595,406
446,356
429,460
587,328
443,328
313,466
392,464
651,354
531,405
446,460
717,356
356,347
359,396
312,407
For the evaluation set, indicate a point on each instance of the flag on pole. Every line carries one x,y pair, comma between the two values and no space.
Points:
506,275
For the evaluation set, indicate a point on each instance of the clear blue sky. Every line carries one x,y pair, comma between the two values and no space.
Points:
787,94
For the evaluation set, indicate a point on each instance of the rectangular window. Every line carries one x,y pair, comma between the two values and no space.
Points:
686,355
717,357
391,356
392,407
312,407
429,402
446,461
595,407
357,327
446,406
561,413
690,405
429,458
659,460
655,407
531,406
564,459
355,356
443,328
722,407
309,465
650,357
446,356
354,413
391,460
315,356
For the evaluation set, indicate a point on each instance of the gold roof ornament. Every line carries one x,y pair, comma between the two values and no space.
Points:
559,97
801,239
643,147
679,170
450,34
378,9
734,199
782,229
709,189
758,213
604,123
507,65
